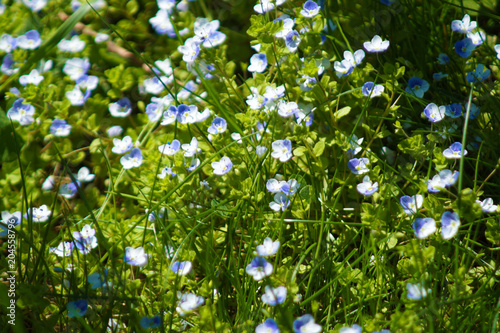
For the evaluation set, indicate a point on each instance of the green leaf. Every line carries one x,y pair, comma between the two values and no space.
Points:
342,112
319,148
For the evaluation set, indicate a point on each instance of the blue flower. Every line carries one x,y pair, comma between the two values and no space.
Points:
60,128
188,302
258,63
343,68
416,291
282,150
122,108
77,308
424,227
376,45
135,256
97,280
306,82
464,47
21,112
132,160
219,125
358,166
292,40
310,9
417,86
259,268
453,110
85,240
29,41
367,188
474,110
434,113
281,202
353,329
450,222
170,148
182,268
479,74
443,59
274,296
269,326
268,247
223,166
152,322
439,76
454,151
411,204
69,190
387,2
206,32
306,324
371,90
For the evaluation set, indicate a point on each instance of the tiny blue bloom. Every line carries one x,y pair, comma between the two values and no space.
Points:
479,74
417,86
443,59
424,227
259,268
353,329
439,76
77,308
269,326
306,324
182,268
310,9
453,110
358,166
371,90
152,322
219,125
454,151
416,291
274,296
367,188
292,40
411,204
258,63
450,222
464,47
434,113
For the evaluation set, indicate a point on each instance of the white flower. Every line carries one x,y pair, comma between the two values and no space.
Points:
84,175
465,25
191,148
274,296
188,302
223,166
282,150
268,247
487,205
376,45
32,78
122,146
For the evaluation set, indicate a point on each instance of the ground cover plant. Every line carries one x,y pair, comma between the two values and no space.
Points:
241,166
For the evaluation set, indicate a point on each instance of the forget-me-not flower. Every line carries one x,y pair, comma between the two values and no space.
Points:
29,41
282,150
464,47
77,308
411,204
85,240
122,108
188,302
132,160
268,247
269,326
367,188
454,151
64,249
182,268
122,146
152,322
371,89
219,125
424,227
258,63
190,50
434,113
477,38
170,148
352,329
487,205
39,214
310,9
306,324
60,128
281,202
274,296
417,86
463,26
376,45
135,256
358,166
439,76
416,291
259,268
292,40
33,77
223,166
450,222
21,112
453,110
479,74
443,59
76,67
